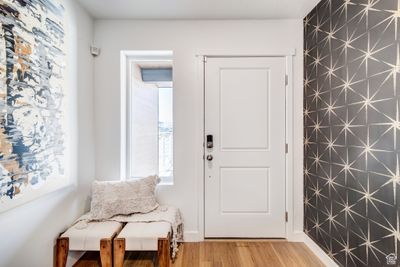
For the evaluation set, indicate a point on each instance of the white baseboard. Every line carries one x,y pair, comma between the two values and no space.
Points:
296,236
325,259
192,236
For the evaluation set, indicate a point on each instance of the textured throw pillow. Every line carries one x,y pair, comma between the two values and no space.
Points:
123,197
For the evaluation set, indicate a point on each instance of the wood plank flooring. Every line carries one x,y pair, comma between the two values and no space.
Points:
236,253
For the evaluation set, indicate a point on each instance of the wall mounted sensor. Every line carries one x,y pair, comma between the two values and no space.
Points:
95,51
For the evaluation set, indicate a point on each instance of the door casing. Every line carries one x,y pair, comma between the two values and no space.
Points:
201,58
249,147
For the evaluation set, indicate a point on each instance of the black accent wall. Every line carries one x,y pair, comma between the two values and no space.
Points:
352,130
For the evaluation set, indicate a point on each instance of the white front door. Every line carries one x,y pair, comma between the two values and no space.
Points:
245,168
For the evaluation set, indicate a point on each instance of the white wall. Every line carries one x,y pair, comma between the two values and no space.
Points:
28,232
185,38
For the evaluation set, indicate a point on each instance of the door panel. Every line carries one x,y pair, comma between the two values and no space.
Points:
245,179
244,129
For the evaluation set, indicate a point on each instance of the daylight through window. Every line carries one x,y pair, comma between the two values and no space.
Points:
151,119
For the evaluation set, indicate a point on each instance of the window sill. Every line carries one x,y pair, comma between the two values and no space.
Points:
165,181
166,184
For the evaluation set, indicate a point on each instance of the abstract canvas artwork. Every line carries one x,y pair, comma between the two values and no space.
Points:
32,100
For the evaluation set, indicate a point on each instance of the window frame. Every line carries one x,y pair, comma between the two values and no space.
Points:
128,61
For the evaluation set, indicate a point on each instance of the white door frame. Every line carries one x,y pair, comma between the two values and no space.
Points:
201,58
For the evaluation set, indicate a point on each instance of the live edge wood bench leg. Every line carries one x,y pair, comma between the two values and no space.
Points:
62,248
106,252
164,251
119,252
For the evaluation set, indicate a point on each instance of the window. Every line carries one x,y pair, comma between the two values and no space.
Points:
150,119
165,133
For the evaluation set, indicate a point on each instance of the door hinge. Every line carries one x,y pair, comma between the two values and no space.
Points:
205,59
286,79
286,148
286,216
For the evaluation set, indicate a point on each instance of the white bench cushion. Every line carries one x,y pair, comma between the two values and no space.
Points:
144,236
89,237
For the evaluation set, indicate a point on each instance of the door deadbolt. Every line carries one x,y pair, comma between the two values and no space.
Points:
209,157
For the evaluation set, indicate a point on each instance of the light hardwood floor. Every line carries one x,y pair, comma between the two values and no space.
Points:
225,254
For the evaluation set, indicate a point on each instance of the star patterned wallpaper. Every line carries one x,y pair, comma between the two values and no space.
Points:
352,130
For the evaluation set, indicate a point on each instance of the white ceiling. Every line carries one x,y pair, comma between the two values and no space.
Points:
198,9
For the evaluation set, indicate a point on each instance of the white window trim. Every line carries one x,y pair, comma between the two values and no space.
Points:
127,59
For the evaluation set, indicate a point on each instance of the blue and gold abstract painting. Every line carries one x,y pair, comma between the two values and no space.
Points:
32,63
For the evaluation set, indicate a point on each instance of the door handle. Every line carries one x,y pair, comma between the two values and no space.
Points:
209,157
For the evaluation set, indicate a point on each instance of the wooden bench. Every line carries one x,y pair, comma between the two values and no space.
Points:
153,236
97,236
